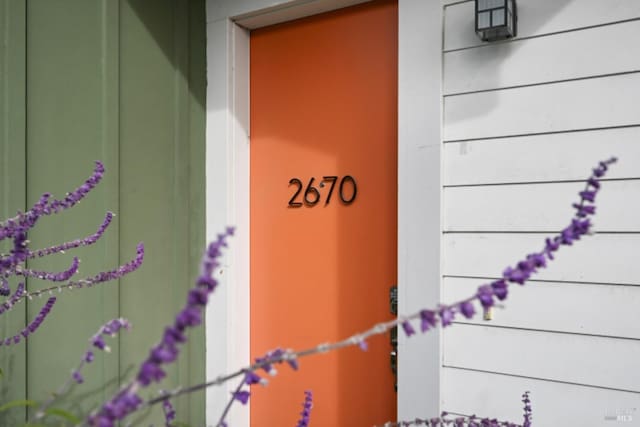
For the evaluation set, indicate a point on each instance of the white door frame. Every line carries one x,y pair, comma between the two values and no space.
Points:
419,187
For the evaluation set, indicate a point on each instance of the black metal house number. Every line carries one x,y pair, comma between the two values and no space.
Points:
347,191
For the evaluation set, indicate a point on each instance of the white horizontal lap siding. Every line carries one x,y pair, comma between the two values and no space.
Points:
554,404
611,49
538,18
558,307
529,159
524,121
539,207
558,107
562,357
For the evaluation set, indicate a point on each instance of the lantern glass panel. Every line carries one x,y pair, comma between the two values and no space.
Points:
498,18
484,20
490,4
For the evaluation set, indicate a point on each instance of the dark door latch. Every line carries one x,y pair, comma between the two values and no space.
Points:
393,303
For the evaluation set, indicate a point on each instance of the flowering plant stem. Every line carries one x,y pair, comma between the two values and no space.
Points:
221,421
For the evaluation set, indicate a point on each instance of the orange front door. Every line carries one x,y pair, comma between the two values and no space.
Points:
323,210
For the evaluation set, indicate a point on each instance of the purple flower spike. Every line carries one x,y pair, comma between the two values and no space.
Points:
77,377
305,415
168,349
527,410
408,329
34,325
52,277
241,396
75,243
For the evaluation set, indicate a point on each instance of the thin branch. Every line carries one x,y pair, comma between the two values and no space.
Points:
221,422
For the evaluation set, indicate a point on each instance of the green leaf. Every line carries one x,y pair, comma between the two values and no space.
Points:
17,403
63,414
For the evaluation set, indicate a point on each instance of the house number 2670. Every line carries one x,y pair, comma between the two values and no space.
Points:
347,191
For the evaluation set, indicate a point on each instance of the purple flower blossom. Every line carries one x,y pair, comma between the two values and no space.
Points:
446,316
499,288
241,396
584,210
277,356
251,378
428,320
169,412
485,296
551,245
408,329
588,195
593,182
467,309
305,415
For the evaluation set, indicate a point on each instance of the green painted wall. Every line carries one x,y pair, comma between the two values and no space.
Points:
123,82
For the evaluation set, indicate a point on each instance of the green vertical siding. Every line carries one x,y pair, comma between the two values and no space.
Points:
122,82
13,185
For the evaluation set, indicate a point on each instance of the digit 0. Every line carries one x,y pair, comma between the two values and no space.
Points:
354,191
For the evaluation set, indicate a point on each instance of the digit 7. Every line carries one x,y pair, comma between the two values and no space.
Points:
333,180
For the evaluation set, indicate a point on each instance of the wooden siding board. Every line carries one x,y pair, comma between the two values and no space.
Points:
539,17
67,130
554,404
603,258
197,45
528,61
508,122
539,207
558,307
12,186
582,104
562,357
79,89
541,158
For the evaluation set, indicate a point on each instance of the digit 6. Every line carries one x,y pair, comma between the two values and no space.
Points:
313,191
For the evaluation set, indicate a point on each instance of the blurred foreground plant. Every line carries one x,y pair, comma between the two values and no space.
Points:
128,399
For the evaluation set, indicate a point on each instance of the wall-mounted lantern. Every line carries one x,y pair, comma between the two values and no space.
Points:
496,19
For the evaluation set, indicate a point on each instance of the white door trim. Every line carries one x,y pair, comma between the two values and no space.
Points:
419,187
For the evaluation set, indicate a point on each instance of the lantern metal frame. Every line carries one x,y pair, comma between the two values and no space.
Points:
508,29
